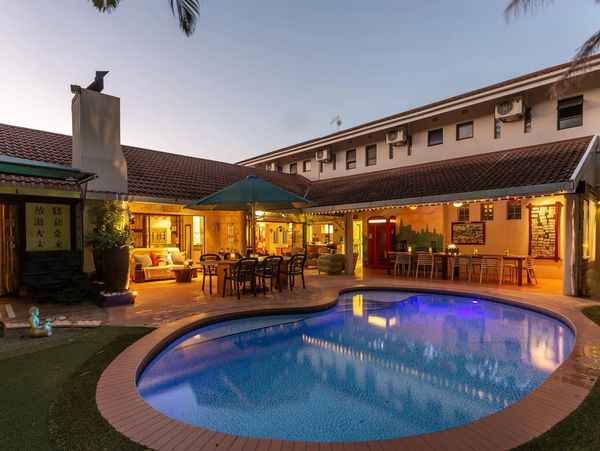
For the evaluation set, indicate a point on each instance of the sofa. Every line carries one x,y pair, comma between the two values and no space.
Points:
334,264
154,263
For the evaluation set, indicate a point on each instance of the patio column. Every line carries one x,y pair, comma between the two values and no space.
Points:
348,243
571,240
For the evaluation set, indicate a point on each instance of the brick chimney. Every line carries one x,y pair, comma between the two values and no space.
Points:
97,136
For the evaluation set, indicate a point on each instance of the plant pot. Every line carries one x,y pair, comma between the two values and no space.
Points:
98,266
116,269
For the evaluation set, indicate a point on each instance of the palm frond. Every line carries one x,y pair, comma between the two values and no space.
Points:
580,62
515,7
105,6
187,11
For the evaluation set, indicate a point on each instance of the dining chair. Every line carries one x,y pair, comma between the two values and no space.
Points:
530,269
269,269
402,263
209,269
295,267
241,273
494,264
462,262
425,260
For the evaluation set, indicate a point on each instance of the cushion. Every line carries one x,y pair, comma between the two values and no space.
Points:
178,258
154,258
143,259
164,259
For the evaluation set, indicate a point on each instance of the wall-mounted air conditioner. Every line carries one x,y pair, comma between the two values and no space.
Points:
510,110
396,137
323,155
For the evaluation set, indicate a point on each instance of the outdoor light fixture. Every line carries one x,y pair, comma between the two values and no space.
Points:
259,213
412,207
457,204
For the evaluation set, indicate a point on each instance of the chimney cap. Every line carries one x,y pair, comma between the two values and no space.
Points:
98,83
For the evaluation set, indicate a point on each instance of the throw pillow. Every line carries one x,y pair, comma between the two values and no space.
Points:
143,259
154,258
165,259
178,257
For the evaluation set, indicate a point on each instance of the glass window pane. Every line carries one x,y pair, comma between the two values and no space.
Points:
464,131
435,137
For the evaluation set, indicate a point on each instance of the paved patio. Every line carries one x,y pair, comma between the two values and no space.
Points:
164,301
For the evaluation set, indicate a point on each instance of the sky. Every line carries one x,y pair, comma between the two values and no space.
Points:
258,75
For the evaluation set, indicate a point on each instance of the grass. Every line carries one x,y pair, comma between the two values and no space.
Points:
47,392
47,397
581,430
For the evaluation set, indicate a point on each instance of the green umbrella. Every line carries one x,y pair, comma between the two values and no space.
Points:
251,194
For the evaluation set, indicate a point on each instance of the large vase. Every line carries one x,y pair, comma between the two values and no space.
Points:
115,263
98,259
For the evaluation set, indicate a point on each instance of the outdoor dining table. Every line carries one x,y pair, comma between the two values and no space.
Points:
223,266
447,261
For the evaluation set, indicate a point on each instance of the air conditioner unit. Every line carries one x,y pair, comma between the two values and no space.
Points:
323,155
396,137
510,110
272,166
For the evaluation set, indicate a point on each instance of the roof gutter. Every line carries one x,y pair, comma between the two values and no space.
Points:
522,191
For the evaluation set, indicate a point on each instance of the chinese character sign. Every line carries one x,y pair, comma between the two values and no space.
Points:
48,227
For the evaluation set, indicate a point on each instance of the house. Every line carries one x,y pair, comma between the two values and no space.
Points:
505,168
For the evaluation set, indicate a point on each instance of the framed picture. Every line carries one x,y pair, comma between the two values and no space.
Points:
468,232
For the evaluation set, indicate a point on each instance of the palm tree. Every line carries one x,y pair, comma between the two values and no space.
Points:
187,11
581,58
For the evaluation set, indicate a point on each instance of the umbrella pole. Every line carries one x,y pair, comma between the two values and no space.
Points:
253,226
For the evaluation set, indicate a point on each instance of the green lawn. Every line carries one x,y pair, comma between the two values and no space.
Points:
47,397
47,392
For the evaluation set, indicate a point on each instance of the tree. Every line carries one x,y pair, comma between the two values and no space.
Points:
584,53
187,11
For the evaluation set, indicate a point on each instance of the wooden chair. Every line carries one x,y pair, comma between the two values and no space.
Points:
243,272
269,269
495,264
425,260
295,267
462,262
209,270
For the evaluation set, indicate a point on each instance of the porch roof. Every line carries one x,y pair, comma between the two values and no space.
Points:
531,170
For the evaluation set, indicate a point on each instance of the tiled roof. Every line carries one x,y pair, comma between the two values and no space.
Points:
501,84
151,173
526,166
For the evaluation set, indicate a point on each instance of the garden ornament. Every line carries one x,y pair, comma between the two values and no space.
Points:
35,330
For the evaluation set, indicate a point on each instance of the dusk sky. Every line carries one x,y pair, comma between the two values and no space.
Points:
262,74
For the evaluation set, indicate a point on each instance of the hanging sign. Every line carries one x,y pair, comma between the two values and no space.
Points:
47,227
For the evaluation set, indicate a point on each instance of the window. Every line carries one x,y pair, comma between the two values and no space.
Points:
497,128
293,168
351,159
435,137
513,209
390,151
371,155
463,213
464,131
306,165
487,211
570,112
333,160
527,121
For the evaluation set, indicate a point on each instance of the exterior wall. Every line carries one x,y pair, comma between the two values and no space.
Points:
543,130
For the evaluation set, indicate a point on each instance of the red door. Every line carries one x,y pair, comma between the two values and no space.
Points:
376,242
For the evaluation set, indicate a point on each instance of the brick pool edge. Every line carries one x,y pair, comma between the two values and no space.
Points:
121,405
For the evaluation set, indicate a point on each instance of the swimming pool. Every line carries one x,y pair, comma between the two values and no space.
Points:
378,365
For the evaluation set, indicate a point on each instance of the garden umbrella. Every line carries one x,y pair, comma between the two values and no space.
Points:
251,194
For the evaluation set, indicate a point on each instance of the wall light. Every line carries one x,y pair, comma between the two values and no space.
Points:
412,207
457,204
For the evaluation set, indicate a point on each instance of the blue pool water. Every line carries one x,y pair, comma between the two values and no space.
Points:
378,365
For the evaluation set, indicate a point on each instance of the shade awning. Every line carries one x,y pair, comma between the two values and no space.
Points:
32,168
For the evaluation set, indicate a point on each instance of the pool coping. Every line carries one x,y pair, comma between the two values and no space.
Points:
119,402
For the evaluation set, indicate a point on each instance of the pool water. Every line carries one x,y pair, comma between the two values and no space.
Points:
378,365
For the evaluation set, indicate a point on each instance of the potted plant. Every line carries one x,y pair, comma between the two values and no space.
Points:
111,242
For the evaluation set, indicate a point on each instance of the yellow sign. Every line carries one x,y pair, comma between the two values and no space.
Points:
47,227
